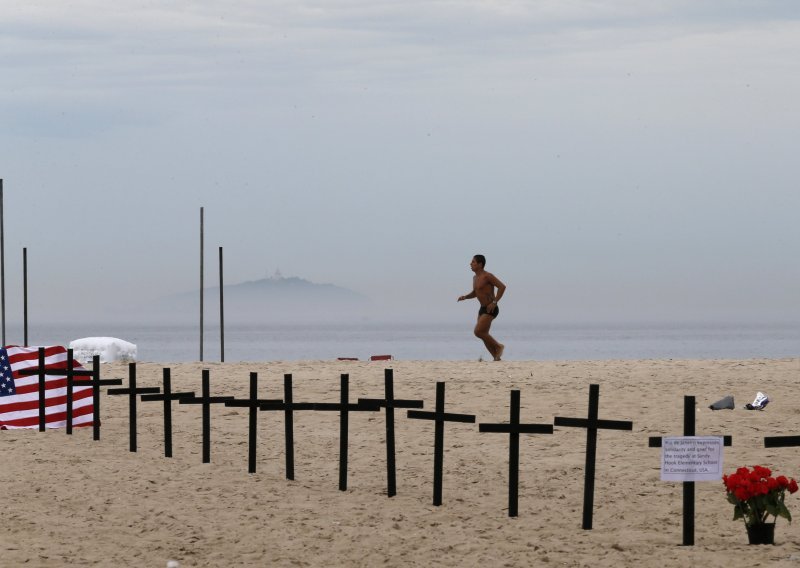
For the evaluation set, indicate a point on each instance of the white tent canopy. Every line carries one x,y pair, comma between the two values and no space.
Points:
109,349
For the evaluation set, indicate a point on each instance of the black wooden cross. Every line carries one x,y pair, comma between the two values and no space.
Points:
514,429
206,400
781,441
288,406
42,371
95,382
592,424
253,403
344,408
167,397
133,392
439,417
390,403
689,415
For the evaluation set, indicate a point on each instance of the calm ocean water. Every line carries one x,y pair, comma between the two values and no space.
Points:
180,343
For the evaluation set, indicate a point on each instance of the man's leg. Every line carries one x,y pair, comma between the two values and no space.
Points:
482,333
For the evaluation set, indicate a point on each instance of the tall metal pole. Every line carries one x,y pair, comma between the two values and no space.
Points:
25,293
221,313
2,265
201,283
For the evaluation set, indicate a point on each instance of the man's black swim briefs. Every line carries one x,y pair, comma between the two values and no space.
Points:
494,314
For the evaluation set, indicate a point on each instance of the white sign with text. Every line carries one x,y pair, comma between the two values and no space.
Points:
691,458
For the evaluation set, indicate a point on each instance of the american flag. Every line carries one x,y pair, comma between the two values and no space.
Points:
19,395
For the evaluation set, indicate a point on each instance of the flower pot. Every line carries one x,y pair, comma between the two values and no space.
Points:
761,533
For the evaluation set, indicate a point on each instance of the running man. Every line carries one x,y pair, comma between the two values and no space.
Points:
483,288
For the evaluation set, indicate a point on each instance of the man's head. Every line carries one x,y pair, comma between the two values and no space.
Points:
478,261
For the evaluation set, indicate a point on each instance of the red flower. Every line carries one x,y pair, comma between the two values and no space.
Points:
731,481
756,495
762,471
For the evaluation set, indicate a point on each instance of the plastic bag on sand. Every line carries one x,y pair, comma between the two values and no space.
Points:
725,403
759,403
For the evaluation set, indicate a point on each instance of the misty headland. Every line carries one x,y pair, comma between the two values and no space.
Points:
275,300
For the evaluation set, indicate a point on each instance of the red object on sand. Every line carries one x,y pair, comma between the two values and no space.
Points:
381,358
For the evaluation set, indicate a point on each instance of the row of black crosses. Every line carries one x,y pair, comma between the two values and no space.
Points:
513,428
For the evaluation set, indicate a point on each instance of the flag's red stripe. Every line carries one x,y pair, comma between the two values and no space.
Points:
19,354
15,349
54,383
76,413
50,401
33,422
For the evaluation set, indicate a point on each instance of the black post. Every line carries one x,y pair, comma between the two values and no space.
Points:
344,408
207,400
221,313
592,424
167,413
132,405
288,406
96,397
253,424
689,417
781,441
513,458
96,383
514,429
201,284
438,442
288,421
167,397
254,404
25,293
689,412
132,391
391,485
70,388
343,431
591,457
207,416
42,388
390,404
439,417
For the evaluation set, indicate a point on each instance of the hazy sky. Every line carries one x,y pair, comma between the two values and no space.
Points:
614,160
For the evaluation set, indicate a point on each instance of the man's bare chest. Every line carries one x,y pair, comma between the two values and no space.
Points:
481,283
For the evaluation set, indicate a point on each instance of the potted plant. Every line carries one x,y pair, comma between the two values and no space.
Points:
756,495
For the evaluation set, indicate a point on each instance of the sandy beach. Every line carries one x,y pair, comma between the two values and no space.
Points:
72,501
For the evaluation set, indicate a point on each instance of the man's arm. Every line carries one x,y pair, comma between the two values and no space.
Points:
467,296
501,288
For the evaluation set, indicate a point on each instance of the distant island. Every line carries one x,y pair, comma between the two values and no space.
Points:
276,298
292,288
